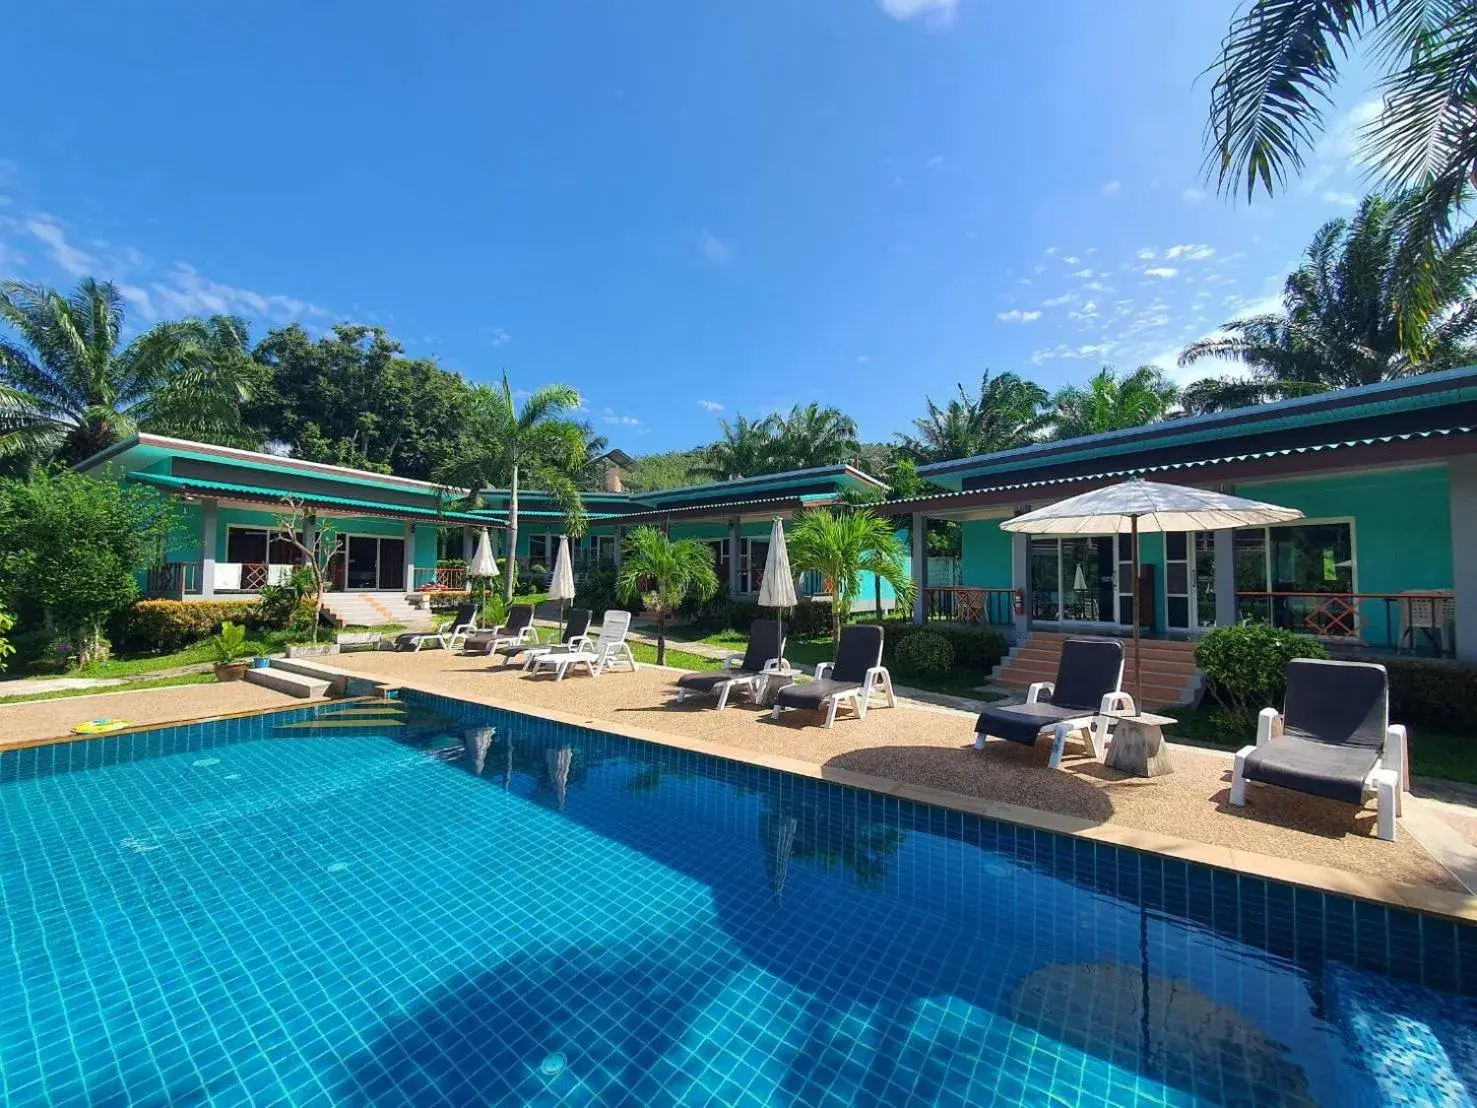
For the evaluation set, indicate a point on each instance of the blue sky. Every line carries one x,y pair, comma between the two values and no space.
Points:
688,210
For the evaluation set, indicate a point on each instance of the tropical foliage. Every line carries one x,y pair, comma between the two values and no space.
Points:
843,545
70,386
1341,325
1008,411
661,573
807,436
1108,402
510,447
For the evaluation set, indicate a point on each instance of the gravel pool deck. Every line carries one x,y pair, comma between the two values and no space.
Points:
48,719
933,747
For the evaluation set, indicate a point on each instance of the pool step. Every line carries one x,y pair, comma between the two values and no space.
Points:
332,723
285,681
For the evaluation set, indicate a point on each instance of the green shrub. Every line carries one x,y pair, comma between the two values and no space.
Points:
1245,664
277,604
7,624
161,626
975,648
494,612
597,591
230,644
924,654
1438,695
809,619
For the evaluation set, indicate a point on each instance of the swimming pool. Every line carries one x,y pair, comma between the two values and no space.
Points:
434,902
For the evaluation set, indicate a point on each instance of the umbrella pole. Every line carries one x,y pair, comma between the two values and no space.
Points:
1138,673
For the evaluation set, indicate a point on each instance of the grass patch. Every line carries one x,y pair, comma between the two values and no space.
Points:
681,659
269,642
131,686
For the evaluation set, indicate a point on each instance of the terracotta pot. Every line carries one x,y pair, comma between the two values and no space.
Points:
230,671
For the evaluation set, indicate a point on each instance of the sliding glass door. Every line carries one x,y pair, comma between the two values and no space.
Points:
1072,579
372,563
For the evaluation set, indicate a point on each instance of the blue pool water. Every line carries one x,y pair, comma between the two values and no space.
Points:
450,905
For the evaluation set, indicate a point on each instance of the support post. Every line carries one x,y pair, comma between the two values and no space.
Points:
920,568
1225,577
409,557
469,543
734,543
1020,580
620,541
208,511
1462,496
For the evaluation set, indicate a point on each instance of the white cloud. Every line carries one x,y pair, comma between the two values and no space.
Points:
935,161
1073,353
610,416
77,262
863,359
1071,259
1023,281
1058,301
1342,199
185,291
139,298
1081,273
496,335
1190,252
939,13
1017,316
1112,188
1192,195
1052,251
1160,271
714,249
1096,286
1341,142
1147,254
710,405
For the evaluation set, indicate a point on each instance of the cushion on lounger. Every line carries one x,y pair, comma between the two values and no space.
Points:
764,644
710,680
1021,723
1319,769
1089,669
812,694
860,650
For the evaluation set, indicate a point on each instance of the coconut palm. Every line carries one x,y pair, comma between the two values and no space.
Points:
512,447
745,449
1009,411
840,546
1279,63
1112,403
813,435
1342,325
661,573
70,387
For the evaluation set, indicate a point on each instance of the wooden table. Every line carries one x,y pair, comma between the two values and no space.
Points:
1138,746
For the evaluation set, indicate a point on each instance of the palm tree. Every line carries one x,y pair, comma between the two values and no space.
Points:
510,447
1112,403
1341,325
746,449
1008,412
70,388
813,436
1279,63
843,545
661,574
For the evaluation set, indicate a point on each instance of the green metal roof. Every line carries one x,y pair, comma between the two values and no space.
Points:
312,500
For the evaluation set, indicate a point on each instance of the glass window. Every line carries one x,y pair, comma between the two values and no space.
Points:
1045,579
246,545
538,549
1205,578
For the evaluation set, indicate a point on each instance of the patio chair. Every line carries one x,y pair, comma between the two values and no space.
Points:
850,679
518,628
597,656
1333,738
1088,689
465,618
764,656
575,628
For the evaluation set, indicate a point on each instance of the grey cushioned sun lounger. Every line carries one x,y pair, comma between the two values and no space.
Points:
852,677
518,628
574,634
1088,685
1333,739
466,616
765,654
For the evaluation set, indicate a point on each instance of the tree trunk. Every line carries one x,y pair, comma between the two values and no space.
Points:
877,597
835,620
510,563
661,638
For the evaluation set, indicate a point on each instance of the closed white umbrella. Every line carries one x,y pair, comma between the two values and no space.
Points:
561,588
777,590
1136,506
483,564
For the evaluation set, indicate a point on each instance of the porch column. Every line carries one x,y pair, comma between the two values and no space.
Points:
620,541
207,547
1225,576
733,556
468,544
1461,474
409,557
920,567
1020,580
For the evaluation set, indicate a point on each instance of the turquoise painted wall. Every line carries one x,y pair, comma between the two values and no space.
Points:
985,559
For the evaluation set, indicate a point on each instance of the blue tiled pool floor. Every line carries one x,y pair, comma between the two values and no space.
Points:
347,918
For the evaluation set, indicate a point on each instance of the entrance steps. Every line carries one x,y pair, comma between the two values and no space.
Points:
1171,678
285,681
375,609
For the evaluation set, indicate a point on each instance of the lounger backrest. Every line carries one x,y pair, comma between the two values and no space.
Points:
519,617
465,614
1088,671
860,650
613,628
577,624
1340,703
764,643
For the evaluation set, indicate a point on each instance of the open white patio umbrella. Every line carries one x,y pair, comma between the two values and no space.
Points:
777,590
483,564
561,587
1137,506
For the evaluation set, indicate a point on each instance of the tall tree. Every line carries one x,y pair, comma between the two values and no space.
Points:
1280,61
745,449
1112,403
511,447
71,387
352,398
1008,411
661,573
1341,325
813,435
841,546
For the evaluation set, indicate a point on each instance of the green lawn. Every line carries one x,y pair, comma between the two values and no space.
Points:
681,659
131,686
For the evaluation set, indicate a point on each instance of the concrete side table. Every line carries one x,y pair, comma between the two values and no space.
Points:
1138,746
766,688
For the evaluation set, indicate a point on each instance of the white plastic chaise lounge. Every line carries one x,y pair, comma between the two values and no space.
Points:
1333,738
519,628
464,621
764,656
1086,694
576,629
595,655
850,679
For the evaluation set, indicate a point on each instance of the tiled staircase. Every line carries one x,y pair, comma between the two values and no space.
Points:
373,609
1170,675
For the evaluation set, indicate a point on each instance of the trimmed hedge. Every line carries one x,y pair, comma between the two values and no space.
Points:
167,625
925,654
1439,695
975,648
807,620
1244,663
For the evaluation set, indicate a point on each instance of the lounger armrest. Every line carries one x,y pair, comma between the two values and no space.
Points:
1033,694
873,672
1268,726
1117,704
733,661
822,669
776,665
529,632
1397,753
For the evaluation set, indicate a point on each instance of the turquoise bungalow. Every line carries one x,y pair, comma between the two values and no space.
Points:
1385,556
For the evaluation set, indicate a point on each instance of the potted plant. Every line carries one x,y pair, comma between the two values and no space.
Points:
230,652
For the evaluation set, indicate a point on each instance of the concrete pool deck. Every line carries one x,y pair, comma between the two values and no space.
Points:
21,724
